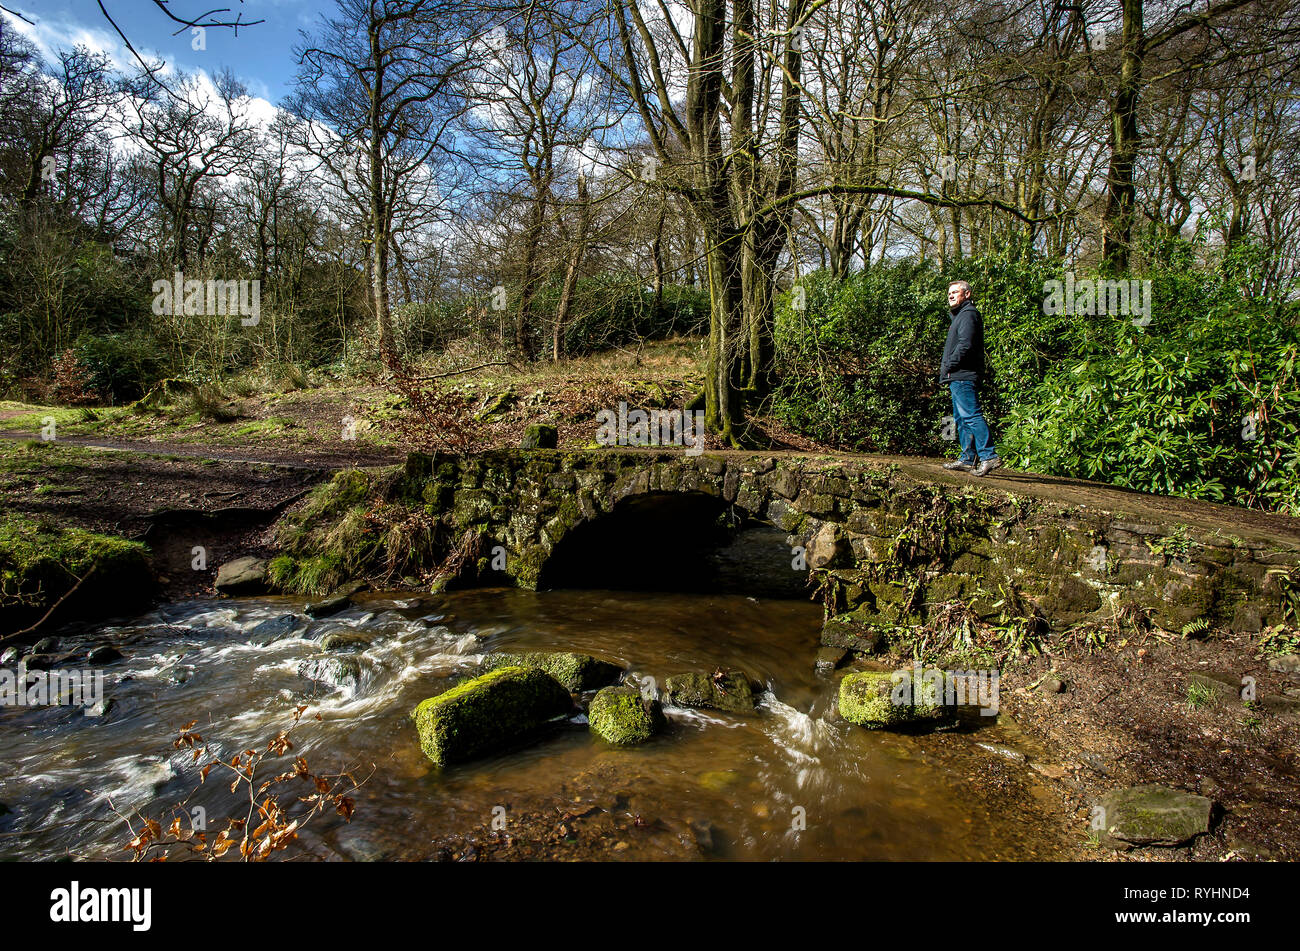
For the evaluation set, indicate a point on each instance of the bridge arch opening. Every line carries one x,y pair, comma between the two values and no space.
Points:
675,541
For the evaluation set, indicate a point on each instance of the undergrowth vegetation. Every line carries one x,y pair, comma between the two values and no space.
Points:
1197,395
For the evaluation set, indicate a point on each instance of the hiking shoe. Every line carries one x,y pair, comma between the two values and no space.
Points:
987,466
958,465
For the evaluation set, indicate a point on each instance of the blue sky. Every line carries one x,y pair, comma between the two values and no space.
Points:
261,55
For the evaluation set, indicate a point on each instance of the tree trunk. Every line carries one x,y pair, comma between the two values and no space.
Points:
1117,225
380,212
571,270
724,399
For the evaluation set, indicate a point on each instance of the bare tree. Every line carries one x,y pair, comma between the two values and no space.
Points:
375,88
192,140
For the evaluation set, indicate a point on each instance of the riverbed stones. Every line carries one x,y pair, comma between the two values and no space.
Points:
1052,685
872,699
344,641
272,630
329,606
576,672
828,658
339,600
1285,664
620,715
332,671
729,692
487,713
242,576
717,780
1006,752
1153,815
102,654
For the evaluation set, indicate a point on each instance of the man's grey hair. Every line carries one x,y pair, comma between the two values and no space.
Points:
962,284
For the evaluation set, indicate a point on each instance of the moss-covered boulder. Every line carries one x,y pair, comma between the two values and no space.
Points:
874,699
576,672
620,715
487,713
540,436
41,560
730,692
1152,815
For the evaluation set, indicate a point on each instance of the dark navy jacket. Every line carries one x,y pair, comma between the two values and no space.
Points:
963,351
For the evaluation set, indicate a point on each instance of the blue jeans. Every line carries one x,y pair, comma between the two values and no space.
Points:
972,430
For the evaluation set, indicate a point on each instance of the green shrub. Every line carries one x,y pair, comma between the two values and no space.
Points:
1202,403
123,365
615,309
858,361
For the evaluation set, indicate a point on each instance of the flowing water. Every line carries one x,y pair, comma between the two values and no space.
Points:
792,782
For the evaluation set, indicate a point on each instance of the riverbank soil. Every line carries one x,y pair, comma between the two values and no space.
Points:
1169,712
172,504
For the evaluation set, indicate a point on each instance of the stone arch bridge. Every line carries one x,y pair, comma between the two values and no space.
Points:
882,541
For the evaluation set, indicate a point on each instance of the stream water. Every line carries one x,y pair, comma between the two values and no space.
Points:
788,783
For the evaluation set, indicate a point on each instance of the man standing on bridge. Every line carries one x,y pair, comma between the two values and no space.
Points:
961,369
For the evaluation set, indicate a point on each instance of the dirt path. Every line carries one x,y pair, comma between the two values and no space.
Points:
1161,510
288,459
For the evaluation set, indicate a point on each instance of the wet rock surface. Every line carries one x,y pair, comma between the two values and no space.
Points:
243,576
1153,815
620,715
728,691
487,713
575,672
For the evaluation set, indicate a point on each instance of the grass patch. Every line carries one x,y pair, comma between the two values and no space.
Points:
271,427
68,420
348,529
41,559
1199,695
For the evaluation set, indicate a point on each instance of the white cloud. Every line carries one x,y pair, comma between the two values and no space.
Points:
50,36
